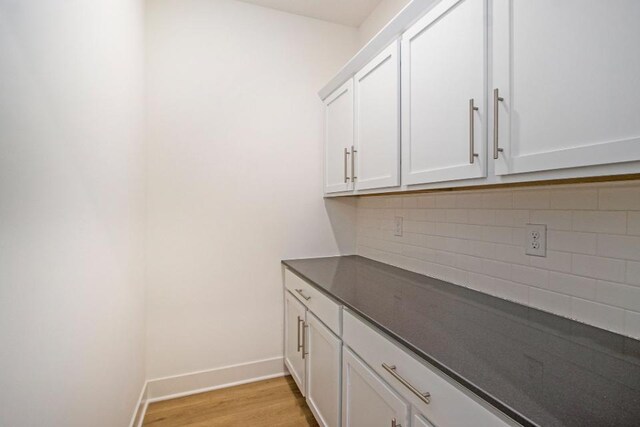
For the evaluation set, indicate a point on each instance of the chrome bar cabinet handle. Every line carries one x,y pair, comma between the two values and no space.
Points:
394,423
353,163
304,339
425,397
346,162
472,110
496,99
299,345
303,295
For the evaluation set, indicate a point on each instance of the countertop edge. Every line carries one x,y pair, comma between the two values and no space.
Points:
444,369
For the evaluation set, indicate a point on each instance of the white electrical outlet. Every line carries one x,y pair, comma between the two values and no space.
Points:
536,240
397,230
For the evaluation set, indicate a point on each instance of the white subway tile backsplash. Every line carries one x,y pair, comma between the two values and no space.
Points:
458,216
498,269
632,324
620,199
554,261
409,202
395,202
426,202
482,217
623,247
598,267
477,239
550,301
512,254
512,218
574,199
469,200
578,286
633,223
601,315
445,201
600,222
555,220
531,199
469,263
530,276
511,291
469,231
482,283
618,295
633,274
572,241
497,234
497,200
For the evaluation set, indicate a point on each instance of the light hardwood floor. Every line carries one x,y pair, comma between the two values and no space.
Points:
274,402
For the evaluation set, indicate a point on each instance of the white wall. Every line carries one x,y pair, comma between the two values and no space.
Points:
476,239
378,18
71,212
235,134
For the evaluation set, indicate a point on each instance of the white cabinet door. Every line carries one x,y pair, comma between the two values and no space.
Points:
323,372
338,139
377,121
568,73
367,401
444,113
418,420
295,314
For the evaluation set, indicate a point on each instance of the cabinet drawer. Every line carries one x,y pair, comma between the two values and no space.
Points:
319,304
449,405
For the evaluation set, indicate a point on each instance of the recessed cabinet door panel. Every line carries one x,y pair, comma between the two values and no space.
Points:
419,420
377,121
367,400
568,73
323,372
293,335
338,139
443,94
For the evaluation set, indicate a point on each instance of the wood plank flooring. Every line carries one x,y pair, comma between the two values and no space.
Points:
274,402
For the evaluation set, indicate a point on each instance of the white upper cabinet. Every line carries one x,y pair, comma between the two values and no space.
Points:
444,111
567,75
339,141
377,121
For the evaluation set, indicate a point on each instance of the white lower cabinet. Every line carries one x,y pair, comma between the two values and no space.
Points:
354,376
449,404
367,401
419,420
295,316
323,372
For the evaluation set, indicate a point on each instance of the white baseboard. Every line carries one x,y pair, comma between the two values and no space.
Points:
174,386
141,408
227,376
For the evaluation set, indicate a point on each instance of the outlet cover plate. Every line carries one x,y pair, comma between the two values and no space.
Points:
536,240
397,231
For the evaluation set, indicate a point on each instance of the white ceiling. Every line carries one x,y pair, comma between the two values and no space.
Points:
347,12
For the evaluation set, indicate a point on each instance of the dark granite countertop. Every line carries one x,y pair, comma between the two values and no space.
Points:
538,368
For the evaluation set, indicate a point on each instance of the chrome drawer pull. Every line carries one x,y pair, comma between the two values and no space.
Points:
425,397
303,295
394,423
299,345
